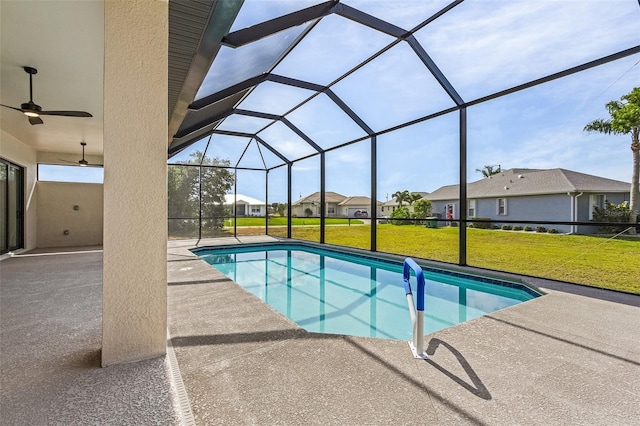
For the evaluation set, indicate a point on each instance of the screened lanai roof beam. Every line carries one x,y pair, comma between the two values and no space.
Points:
301,134
370,21
270,148
587,65
349,112
229,91
321,89
296,83
251,135
272,26
433,68
436,15
261,156
265,115
249,83
198,126
284,121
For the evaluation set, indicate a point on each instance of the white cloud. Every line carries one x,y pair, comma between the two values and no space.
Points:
482,47
485,46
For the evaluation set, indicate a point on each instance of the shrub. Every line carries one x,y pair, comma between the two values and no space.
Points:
612,213
541,229
422,208
552,231
401,213
481,222
495,226
528,228
517,228
506,227
470,225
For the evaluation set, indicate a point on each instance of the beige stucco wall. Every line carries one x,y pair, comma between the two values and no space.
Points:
23,155
57,200
135,181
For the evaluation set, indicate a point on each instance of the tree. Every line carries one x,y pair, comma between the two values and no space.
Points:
422,208
217,181
625,120
413,197
489,170
401,213
279,208
183,200
193,188
401,197
612,213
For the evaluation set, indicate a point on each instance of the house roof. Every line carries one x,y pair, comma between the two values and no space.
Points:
231,198
330,197
357,201
519,182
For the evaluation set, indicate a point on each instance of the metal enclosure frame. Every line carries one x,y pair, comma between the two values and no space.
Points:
194,129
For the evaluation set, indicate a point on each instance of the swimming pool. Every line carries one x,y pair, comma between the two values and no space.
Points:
329,291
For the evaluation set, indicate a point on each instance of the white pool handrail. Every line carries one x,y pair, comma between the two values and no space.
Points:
416,314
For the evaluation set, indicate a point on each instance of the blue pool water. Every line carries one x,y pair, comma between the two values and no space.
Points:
327,291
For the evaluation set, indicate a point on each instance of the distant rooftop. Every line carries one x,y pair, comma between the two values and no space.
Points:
515,182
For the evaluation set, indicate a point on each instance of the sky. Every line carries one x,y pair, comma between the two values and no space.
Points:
481,46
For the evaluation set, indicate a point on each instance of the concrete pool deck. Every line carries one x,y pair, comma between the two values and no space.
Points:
570,357
562,358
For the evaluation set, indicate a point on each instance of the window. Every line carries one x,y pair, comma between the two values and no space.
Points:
331,210
472,208
502,206
58,173
597,200
11,206
255,209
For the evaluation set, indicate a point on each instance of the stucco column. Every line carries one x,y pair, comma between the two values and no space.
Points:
134,306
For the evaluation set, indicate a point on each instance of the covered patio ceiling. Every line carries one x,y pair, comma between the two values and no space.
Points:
292,79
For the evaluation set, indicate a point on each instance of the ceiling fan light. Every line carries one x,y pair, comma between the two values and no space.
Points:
31,113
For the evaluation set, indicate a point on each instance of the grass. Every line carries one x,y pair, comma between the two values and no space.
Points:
589,260
296,221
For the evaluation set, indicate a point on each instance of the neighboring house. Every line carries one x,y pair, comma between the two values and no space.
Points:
358,207
245,205
337,205
390,206
312,202
533,194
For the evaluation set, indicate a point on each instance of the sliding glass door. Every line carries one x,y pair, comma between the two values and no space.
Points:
11,206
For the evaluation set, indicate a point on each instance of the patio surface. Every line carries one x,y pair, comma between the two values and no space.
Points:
570,357
564,358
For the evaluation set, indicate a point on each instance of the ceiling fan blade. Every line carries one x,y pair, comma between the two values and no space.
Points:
67,113
35,120
7,106
78,163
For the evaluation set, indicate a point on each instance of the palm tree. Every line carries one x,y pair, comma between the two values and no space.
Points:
625,120
488,171
413,197
401,197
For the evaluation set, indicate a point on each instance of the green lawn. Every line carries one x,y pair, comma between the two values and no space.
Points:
589,260
296,221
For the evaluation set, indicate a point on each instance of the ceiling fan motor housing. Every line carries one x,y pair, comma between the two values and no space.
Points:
31,106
